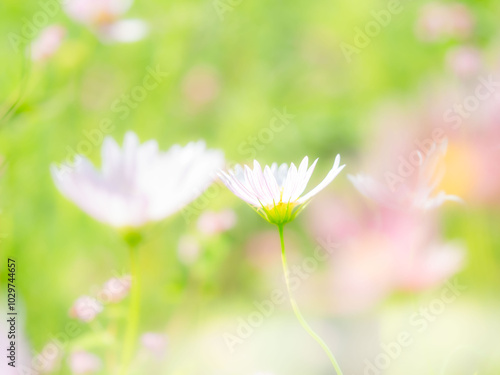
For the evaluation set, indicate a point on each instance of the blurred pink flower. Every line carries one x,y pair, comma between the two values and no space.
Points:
464,61
82,362
336,217
211,222
427,267
473,168
359,276
201,86
419,257
393,250
275,193
156,343
418,193
47,43
470,163
438,21
188,249
103,16
115,289
85,309
138,184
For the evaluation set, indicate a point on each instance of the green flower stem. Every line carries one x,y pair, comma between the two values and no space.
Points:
133,312
296,308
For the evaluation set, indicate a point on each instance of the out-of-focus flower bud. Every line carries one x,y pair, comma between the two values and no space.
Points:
85,309
82,362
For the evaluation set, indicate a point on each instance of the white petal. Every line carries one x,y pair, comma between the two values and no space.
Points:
438,200
290,182
126,31
280,174
111,156
266,184
304,179
238,189
329,178
272,184
301,174
372,189
251,177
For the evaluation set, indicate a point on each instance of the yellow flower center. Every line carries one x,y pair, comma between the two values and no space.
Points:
280,213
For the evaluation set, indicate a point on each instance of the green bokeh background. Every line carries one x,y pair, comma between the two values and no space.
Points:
267,55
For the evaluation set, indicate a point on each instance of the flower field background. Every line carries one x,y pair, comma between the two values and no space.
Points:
396,263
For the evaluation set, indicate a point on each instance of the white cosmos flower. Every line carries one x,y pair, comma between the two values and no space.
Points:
275,192
96,12
139,183
417,194
104,17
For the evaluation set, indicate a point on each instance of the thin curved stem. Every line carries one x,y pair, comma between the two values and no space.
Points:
296,310
133,312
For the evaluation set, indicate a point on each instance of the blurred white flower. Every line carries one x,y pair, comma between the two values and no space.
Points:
82,362
85,309
139,184
115,289
126,31
47,43
416,194
275,193
103,17
96,12
156,343
211,222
